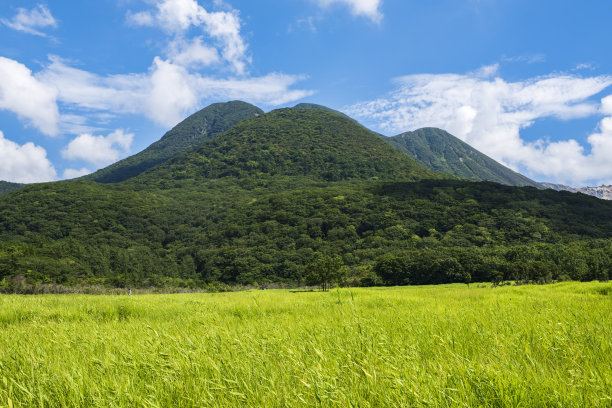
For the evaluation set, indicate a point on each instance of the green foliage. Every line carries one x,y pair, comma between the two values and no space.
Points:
197,128
291,142
323,108
440,151
6,187
198,233
443,346
325,271
262,201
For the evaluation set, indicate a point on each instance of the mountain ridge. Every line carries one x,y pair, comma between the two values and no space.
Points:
293,142
440,151
7,187
203,125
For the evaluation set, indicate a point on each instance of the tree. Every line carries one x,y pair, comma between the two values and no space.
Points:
324,271
394,269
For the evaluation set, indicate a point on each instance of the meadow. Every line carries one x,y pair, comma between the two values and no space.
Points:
420,346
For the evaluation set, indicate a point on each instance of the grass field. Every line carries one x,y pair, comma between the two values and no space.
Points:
434,346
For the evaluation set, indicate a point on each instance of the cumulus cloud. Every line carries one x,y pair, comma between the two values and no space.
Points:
26,163
177,16
29,98
192,53
29,21
366,8
99,150
63,98
166,93
74,173
489,113
606,105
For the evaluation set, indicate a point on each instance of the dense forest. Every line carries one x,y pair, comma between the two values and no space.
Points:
279,195
6,187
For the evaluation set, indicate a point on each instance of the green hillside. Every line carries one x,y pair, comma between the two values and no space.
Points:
292,142
197,128
281,192
440,151
306,106
6,187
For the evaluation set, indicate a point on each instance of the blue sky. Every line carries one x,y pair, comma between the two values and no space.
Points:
83,84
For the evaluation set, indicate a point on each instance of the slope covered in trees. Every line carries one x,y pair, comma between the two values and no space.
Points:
273,196
292,142
218,231
440,151
197,128
6,187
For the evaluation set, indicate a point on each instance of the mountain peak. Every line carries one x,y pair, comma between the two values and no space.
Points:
438,150
308,106
294,142
203,125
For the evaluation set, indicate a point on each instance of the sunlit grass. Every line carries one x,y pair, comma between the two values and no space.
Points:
526,346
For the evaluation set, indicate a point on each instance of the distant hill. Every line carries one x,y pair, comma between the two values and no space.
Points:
603,192
438,150
6,187
197,128
313,143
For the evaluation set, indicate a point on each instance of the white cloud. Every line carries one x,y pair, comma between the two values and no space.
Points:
586,65
192,53
98,150
86,90
170,93
29,98
606,105
487,112
63,98
26,163
74,173
177,16
166,93
29,20
366,8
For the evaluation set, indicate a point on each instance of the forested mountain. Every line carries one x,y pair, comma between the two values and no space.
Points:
197,128
292,142
323,108
266,199
438,150
6,187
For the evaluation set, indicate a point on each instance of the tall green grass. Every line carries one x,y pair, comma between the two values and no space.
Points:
436,346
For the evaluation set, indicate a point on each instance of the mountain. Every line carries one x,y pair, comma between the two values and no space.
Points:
440,151
306,106
602,192
312,143
275,193
197,128
6,187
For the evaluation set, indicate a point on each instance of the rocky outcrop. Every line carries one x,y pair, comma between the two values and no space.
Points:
603,192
